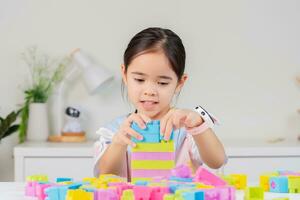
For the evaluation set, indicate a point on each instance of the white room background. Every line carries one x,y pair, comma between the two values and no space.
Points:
242,58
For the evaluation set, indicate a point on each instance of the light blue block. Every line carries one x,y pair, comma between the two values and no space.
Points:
63,179
179,179
278,184
151,134
193,195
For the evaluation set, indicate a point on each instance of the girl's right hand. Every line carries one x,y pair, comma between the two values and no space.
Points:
123,136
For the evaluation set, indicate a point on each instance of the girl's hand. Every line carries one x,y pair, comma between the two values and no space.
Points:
177,118
123,136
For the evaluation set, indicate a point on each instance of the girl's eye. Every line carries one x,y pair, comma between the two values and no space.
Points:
139,80
163,83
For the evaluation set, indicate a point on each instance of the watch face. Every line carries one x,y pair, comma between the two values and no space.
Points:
72,112
204,113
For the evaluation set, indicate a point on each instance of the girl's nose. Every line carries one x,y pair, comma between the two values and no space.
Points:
149,93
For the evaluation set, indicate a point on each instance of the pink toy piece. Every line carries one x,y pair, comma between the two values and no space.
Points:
142,192
208,178
152,156
121,188
106,194
149,173
226,193
181,171
30,188
40,190
159,192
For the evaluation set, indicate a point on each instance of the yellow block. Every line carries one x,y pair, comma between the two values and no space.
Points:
152,164
154,147
79,194
240,181
43,178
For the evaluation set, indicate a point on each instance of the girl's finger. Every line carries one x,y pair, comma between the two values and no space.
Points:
135,118
164,120
169,127
129,131
178,119
127,141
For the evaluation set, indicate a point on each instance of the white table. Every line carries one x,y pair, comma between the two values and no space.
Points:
15,191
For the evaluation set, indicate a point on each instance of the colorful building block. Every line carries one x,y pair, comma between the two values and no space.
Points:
152,164
181,171
154,147
79,194
208,178
240,181
294,184
279,184
254,193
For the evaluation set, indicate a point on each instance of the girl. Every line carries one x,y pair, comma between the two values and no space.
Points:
153,73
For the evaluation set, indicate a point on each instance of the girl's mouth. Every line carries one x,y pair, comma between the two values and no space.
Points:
148,105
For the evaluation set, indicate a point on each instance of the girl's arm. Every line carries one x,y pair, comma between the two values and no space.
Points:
210,149
113,160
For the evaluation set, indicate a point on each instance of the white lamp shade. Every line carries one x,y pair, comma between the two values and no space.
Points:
94,76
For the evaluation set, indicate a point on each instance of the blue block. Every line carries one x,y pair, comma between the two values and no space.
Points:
278,184
144,183
179,179
63,179
151,134
175,186
193,195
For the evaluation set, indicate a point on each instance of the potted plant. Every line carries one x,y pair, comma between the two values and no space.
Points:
45,74
7,124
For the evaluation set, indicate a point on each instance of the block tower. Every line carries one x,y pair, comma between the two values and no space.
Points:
152,156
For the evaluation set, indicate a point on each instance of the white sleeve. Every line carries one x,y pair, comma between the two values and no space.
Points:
100,146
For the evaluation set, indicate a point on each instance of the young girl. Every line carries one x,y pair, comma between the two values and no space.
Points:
153,73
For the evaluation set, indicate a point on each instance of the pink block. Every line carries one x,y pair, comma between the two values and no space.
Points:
30,188
181,171
106,194
142,192
40,190
150,173
208,178
159,192
152,156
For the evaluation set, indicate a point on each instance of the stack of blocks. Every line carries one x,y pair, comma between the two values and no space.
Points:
152,156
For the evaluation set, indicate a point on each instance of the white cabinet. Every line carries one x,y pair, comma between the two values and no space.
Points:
256,157
73,160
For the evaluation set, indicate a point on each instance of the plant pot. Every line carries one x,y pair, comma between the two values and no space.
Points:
38,125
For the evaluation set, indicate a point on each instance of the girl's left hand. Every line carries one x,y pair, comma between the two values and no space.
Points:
177,118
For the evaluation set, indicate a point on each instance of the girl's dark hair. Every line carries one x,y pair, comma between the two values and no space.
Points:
157,39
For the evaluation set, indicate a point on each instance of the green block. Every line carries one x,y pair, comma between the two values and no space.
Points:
254,193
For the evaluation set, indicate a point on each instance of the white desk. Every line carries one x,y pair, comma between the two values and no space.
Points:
15,191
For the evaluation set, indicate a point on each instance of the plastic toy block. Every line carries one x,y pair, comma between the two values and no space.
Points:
151,134
181,171
127,195
208,178
152,164
176,186
158,193
40,190
63,179
227,193
279,184
122,187
169,197
152,155
110,194
142,192
240,181
154,147
193,195
179,179
230,180
135,179
203,186
150,173
30,188
294,184
79,194
38,178
254,193
144,183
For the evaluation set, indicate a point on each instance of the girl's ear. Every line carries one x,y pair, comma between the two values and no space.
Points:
123,71
180,83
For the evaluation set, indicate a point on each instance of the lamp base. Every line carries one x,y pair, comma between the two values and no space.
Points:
62,138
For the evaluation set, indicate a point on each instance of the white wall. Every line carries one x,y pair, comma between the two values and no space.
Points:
242,57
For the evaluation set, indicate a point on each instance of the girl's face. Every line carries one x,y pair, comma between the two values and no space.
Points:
151,83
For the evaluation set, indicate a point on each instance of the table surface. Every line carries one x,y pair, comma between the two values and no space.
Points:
15,191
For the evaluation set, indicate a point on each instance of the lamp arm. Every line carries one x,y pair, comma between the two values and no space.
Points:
57,106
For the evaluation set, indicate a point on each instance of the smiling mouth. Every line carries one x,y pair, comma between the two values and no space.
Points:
149,102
